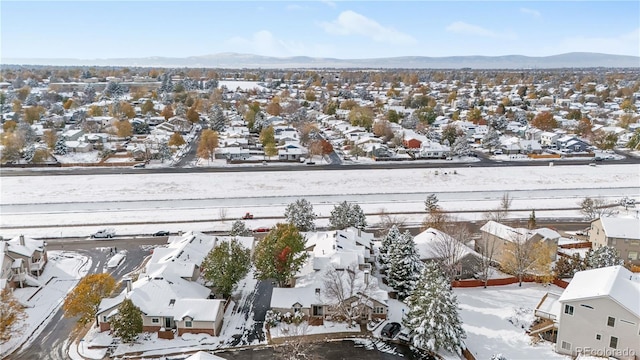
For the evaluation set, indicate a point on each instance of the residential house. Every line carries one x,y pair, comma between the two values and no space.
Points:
548,139
621,233
435,245
350,253
570,143
496,236
21,258
167,291
597,314
32,252
433,150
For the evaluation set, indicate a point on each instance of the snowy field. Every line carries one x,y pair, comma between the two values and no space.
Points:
495,320
145,203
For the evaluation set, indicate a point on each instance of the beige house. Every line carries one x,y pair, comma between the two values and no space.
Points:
496,236
621,233
599,314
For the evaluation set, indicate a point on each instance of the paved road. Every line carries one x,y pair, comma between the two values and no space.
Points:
480,162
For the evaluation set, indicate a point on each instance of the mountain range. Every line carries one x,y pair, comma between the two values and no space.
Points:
235,60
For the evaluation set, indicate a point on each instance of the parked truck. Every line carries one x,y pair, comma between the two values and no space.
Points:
103,234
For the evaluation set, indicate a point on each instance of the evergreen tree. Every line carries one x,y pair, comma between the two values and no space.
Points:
404,265
60,147
29,152
603,257
89,94
216,118
226,265
127,323
114,90
31,100
164,153
491,140
238,228
461,146
392,237
531,224
431,203
433,313
345,215
300,213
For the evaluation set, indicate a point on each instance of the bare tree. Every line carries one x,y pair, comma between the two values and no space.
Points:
487,248
449,248
500,213
222,214
296,344
436,219
594,208
340,285
523,257
387,221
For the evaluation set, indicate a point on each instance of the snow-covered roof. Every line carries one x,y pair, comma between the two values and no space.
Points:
508,233
198,309
616,282
25,246
427,245
201,355
621,228
285,298
158,296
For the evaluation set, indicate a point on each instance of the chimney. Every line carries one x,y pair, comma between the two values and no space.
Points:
366,277
21,240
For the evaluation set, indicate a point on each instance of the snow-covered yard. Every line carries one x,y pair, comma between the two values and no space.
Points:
496,319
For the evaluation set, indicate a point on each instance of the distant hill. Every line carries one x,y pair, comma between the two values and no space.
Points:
235,60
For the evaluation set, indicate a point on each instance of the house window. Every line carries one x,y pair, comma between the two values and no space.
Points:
378,310
598,337
104,319
188,324
611,321
317,310
633,255
566,345
296,308
155,320
568,309
613,343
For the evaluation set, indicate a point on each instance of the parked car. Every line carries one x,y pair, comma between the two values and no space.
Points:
116,260
406,336
161,233
261,229
247,216
104,233
390,330
139,165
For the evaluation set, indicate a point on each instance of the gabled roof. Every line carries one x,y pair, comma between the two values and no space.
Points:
621,228
615,282
30,246
154,295
427,245
201,355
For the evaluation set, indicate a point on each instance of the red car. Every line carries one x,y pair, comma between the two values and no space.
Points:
261,230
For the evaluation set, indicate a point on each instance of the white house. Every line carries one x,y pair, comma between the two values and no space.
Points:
600,314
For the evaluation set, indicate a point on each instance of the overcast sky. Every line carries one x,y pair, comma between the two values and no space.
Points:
339,29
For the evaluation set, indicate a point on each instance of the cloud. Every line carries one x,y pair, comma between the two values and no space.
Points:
329,3
265,43
351,23
535,13
463,28
623,44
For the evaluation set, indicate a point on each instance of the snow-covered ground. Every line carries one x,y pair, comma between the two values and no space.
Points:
60,275
146,203
496,318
